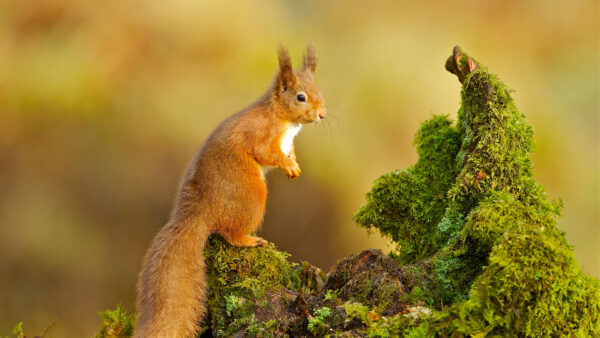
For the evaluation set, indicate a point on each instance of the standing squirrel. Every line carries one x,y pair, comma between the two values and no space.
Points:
224,192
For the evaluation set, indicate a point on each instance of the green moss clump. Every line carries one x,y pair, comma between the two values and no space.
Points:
407,205
18,330
317,324
116,323
480,232
253,270
244,282
532,287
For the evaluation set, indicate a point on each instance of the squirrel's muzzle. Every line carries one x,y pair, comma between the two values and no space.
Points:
321,113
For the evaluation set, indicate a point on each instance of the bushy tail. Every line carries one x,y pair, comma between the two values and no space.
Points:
172,285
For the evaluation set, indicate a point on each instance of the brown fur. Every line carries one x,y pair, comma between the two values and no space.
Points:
223,191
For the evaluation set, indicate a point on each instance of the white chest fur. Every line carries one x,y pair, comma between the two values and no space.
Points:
287,140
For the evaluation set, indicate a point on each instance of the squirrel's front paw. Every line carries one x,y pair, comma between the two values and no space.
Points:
292,170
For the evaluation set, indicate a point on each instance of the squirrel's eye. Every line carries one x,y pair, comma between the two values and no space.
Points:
301,97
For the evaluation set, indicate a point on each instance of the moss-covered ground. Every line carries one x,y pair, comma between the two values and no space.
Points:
479,252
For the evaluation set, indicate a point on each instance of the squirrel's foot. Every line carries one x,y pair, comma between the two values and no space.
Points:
292,170
246,241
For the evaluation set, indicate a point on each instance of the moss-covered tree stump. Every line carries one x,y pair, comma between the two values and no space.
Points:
478,248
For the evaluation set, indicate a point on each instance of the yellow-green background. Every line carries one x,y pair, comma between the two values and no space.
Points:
102,103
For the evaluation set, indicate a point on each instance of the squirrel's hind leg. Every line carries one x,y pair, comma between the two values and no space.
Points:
245,240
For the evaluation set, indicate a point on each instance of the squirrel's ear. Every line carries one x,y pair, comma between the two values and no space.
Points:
310,58
286,77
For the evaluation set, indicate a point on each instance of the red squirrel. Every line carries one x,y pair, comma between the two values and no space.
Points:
223,191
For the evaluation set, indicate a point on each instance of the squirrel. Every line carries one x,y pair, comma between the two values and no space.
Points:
223,192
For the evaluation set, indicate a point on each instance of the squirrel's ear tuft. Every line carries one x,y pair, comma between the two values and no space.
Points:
286,77
310,58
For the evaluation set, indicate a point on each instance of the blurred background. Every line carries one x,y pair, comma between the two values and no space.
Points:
103,103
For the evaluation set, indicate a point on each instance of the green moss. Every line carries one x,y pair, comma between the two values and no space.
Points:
406,205
261,329
116,323
241,281
532,287
317,324
17,331
332,295
377,325
357,310
253,270
494,259
233,304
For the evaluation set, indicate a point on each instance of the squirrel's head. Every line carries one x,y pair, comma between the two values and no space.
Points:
297,97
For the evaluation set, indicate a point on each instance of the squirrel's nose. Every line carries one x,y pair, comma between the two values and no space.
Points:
322,114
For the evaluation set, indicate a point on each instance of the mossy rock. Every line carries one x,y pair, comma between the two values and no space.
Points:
249,287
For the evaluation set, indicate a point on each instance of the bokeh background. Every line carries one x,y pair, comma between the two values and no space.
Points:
102,104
